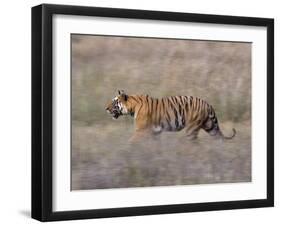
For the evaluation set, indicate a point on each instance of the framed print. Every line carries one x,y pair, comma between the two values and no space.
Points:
145,112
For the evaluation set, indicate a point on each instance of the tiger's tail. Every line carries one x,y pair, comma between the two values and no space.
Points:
230,137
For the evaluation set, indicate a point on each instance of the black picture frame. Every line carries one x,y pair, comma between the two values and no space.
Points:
42,107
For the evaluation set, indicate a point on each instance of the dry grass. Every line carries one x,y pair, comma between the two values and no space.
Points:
107,160
219,72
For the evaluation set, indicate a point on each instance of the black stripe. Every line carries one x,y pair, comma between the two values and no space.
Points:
181,100
162,102
133,98
152,109
173,108
180,108
147,104
186,106
212,113
183,121
190,101
156,104
194,103
170,102
139,98
156,110
199,105
168,119
160,110
215,120
185,101
175,100
183,115
176,121
141,104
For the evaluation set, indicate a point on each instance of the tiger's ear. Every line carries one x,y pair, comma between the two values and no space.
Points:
123,94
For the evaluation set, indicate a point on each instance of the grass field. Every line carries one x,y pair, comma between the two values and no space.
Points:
107,160
219,72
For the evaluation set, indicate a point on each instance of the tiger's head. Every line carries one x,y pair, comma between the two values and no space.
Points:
119,105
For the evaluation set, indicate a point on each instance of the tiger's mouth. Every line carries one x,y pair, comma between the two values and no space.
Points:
115,113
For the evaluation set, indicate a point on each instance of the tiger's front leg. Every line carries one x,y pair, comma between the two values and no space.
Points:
141,128
139,135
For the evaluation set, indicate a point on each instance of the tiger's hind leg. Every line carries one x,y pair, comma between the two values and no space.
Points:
192,133
212,128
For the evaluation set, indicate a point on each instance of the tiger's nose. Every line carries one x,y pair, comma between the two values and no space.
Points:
107,109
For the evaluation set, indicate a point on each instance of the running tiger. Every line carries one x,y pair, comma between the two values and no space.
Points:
152,115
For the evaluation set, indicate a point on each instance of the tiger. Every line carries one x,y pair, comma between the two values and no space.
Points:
152,116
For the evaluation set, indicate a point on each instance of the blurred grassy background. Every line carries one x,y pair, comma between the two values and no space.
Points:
219,72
